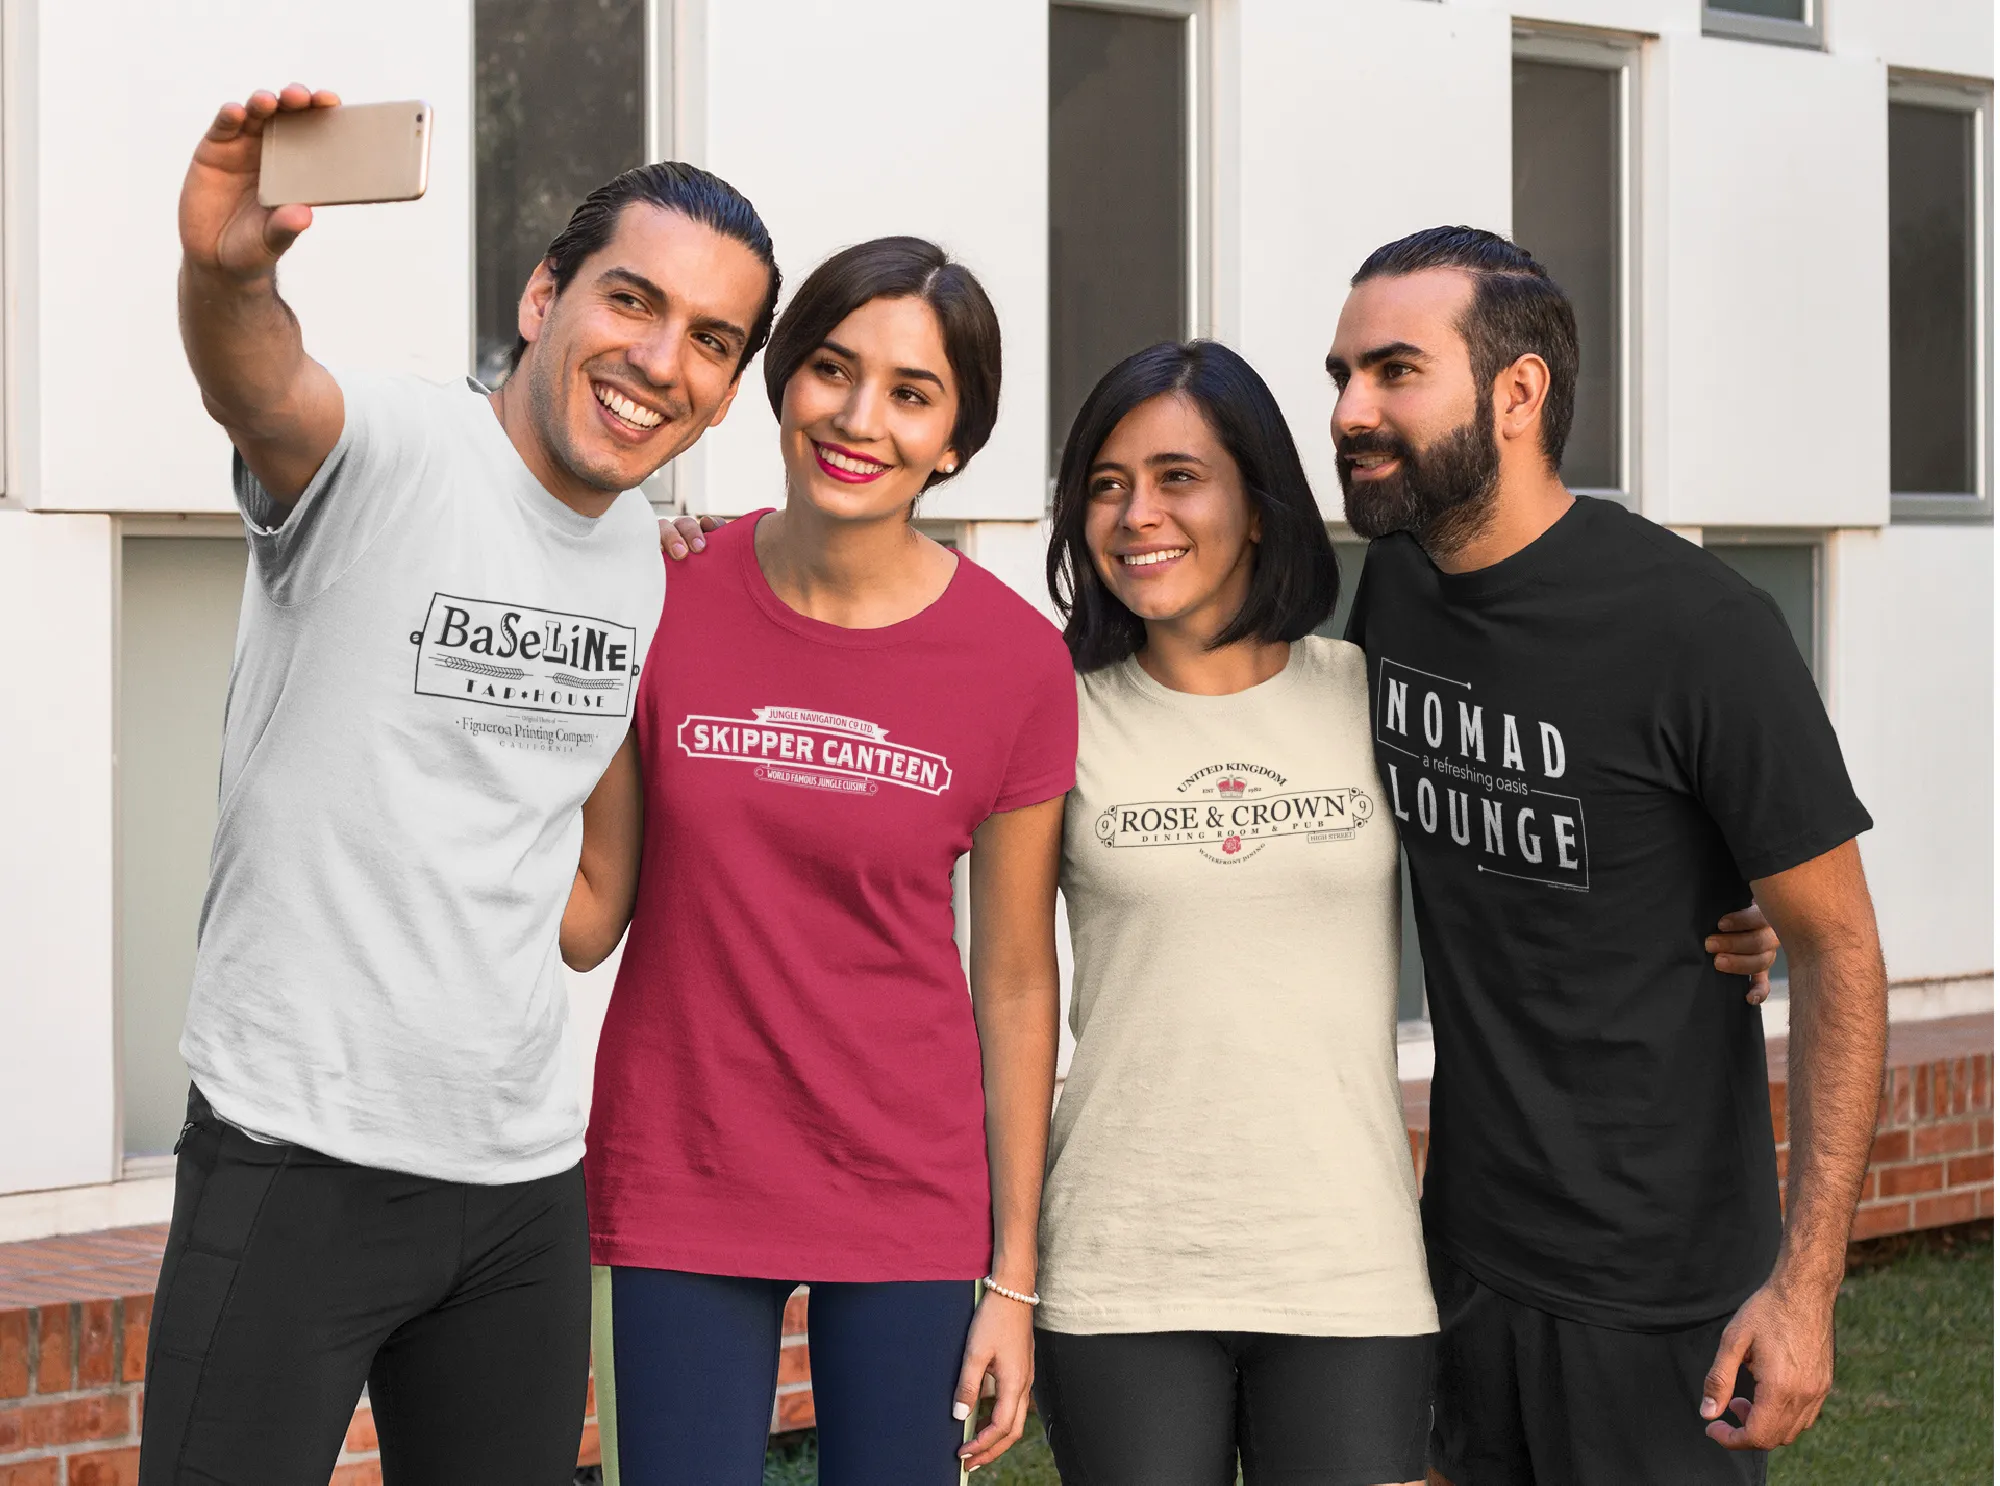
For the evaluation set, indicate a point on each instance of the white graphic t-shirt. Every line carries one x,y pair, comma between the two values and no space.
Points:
435,663
1229,1151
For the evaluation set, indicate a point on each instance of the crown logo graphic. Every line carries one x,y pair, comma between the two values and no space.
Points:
1229,787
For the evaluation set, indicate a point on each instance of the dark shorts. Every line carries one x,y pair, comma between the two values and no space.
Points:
290,1279
1183,1408
1525,1398
694,1365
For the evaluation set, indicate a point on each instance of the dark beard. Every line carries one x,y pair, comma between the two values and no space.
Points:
1443,496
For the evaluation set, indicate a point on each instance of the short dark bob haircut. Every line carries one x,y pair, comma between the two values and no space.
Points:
1295,578
672,186
900,268
1516,310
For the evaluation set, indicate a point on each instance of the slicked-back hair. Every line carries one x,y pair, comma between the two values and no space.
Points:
1516,309
673,186
900,268
1294,576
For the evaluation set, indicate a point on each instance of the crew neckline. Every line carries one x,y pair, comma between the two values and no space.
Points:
1538,559
1273,686
916,627
530,492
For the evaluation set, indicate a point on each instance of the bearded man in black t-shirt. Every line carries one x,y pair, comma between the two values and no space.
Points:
1595,739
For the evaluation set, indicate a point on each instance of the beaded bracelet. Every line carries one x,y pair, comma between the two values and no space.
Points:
999,1289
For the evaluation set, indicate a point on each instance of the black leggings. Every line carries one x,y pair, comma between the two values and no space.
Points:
290,1279
1177,1408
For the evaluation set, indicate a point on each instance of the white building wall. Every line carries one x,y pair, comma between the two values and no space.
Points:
115,421
1773,287
58,1033
1336,146
1912,685
874,127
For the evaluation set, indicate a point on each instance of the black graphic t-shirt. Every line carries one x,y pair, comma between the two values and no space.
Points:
1589,750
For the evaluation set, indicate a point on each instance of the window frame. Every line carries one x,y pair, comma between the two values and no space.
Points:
1622,55
1197,54
1962,96
1733,25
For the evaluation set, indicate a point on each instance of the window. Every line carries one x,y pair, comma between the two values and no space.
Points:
179,597
1938,319
1572,210
560,107
1787,22
1121,207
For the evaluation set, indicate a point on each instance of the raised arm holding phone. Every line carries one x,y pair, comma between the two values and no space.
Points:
450,600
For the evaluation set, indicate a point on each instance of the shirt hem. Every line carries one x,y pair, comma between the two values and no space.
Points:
276,1127
1641,1319
1223,1316
774,1264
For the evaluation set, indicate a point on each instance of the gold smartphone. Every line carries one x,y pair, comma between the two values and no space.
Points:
338,156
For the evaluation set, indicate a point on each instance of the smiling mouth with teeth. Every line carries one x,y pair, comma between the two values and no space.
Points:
625,410
1148,559
849,463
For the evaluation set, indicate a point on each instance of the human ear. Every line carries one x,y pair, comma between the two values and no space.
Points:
947,462
1520,394
536,300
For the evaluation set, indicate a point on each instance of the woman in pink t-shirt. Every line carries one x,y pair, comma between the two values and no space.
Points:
792,1083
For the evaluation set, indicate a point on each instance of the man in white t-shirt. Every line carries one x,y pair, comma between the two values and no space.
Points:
451,595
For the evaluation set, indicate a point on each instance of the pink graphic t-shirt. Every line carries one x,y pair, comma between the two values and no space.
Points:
788,1079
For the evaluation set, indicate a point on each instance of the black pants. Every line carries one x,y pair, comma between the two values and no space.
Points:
1177,1408
1525,1398
290,1279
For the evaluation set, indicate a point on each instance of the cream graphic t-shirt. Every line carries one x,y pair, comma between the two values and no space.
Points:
1229,1151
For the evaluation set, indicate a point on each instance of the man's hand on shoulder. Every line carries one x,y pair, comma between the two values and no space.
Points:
681,535
1744,943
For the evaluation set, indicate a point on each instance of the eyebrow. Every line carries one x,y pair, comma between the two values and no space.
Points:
1395,350
1157,461
914,373
654,292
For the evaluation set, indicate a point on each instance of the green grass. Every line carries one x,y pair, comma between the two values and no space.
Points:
794,1461
1912,1397
1912,1402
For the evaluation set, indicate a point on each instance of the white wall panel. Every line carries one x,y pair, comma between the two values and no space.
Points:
58,599
1912,691
1642,17
1933,35
119,424
845,120
1769,314
1339,147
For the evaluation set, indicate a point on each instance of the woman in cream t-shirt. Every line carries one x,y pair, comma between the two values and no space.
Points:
1232,1266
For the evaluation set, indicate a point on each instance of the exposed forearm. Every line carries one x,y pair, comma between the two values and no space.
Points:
1839,1033
244,344
1017,1040
593,921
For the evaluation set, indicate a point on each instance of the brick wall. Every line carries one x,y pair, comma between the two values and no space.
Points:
1933,1159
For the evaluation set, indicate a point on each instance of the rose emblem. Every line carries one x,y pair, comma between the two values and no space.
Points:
1232,845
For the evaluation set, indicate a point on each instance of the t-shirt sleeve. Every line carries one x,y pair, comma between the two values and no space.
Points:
374,467
1357,609
1042,764
1760,752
